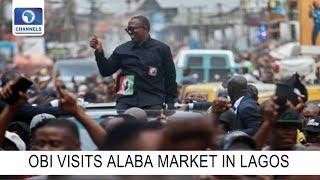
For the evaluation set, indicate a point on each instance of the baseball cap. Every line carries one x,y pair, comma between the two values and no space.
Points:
313,125
290,117
39,118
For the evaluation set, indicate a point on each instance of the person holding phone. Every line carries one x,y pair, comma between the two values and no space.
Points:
27,111
148,77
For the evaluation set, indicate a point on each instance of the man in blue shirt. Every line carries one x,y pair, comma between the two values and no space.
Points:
315,14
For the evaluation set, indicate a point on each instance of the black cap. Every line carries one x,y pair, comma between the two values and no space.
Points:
235,137
313,125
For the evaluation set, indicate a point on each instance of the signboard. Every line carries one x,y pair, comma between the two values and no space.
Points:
33,45
309,11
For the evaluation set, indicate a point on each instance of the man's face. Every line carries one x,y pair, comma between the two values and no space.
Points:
147,140
54,139
310,113
313,137
136,30
284,137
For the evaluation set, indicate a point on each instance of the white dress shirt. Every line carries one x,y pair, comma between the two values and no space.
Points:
237,103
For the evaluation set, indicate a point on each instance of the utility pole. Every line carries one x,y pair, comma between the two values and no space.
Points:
2,22
92,17
244,7
201,27
219,8
69,19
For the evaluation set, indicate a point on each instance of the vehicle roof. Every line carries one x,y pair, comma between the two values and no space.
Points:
74,61
182,53
207,51
262,87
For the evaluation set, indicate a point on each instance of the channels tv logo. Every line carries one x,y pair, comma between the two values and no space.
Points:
28,21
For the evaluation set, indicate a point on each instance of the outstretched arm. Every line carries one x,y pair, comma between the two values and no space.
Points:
68,102
9,111
106,66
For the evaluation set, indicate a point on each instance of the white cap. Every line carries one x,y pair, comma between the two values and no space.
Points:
39,118
15,138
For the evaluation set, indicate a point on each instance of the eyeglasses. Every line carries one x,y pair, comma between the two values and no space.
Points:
131,29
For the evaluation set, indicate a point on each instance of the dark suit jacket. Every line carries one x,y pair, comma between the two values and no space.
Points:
201,106
247,118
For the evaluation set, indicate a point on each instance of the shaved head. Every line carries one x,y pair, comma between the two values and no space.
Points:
237,87
138,113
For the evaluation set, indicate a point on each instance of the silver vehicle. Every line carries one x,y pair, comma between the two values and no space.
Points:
75,69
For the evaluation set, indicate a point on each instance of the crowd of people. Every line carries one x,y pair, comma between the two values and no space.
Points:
239,124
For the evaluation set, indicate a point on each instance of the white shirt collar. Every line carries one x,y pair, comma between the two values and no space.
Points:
237,103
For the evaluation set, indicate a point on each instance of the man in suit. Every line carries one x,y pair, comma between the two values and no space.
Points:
246,108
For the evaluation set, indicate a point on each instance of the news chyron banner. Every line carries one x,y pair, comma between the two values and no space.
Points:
28,17
160,163
309,17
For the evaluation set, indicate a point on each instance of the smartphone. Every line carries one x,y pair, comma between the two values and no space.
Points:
282,93
22,84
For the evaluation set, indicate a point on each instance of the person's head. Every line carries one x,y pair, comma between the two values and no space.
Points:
133,135
237,87
138,113
245,70
316,3
55,135
253,92
90,97
310,112
187,133
312,130
138,28
186,71
284,134
111,122
237,140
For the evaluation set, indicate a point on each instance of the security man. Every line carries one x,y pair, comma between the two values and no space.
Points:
148,77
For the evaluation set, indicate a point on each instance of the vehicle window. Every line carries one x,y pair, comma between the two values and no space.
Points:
195,61
200,73
218,62
218,75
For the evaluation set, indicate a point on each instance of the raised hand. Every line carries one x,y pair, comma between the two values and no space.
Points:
299,107
95,43
68,102
220,105
270,112
6,92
